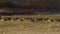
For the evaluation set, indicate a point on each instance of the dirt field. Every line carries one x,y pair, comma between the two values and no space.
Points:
29,28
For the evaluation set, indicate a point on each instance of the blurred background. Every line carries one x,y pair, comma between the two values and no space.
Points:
29,7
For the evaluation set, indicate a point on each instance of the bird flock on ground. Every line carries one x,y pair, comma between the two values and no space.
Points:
40,19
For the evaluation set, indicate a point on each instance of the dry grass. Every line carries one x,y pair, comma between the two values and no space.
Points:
29,28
